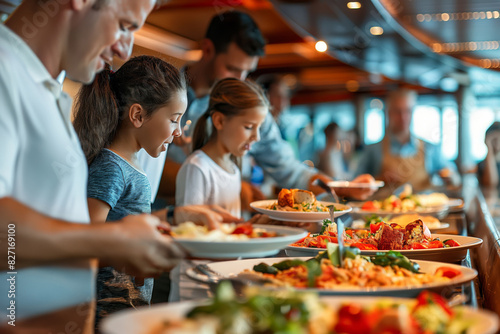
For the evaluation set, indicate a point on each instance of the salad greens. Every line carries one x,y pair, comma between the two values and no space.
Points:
262,312
392,258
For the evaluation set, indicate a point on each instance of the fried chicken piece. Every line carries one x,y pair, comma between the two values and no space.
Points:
285,198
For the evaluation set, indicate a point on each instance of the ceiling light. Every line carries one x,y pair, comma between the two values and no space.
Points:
321,46
352,85
376,31
353,5
445,16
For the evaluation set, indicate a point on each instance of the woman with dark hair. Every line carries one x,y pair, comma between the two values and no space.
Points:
138,107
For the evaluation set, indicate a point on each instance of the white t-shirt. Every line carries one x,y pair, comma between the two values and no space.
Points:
201,181
42,166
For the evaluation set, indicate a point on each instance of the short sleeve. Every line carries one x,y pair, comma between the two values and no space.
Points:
106,182
191,186
9,133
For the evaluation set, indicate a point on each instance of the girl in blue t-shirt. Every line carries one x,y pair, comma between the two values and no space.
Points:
210,175
137,107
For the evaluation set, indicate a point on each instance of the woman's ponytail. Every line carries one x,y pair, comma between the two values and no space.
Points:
96,115
201,133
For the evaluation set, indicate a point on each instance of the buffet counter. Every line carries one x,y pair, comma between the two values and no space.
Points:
483,217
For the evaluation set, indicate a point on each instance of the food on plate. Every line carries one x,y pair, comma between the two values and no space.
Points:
292,312
432,199
260,311
226,232
428,313
389,269
406,202
393,204
380,236
297,200
403,220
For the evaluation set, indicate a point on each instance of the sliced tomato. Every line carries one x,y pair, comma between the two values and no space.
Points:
374,227
428,298
418,245
363,246
369,206
448,272
352,320
435,244
246,229
451,243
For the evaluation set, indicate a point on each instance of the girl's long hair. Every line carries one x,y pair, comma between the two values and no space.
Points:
231,97
102,105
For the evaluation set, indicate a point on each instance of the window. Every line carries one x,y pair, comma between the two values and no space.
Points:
449,145
426,124
374,125
479,121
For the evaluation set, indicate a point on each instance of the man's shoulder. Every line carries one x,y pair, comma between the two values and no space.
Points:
9,64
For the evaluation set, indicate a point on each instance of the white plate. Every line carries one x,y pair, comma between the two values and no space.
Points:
348,184
295,216
441,226
436,211
233,268
147,320
256,247
451,254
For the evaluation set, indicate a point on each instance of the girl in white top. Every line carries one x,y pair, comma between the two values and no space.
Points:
211,175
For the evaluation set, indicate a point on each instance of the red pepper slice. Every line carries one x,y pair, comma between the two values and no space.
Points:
363,246
435,244
451,243
374,227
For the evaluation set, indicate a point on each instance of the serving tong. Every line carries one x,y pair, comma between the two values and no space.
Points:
340,223
239,282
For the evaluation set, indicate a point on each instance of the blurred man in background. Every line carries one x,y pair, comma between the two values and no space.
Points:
401,157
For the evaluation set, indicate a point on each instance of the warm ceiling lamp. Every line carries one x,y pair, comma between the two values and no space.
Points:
376,31
353,5
321,46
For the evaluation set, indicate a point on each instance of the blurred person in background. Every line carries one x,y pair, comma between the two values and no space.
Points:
352,150
489,168
401,157
331,158
279,95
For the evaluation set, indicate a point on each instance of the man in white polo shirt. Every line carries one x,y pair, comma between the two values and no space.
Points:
47,283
